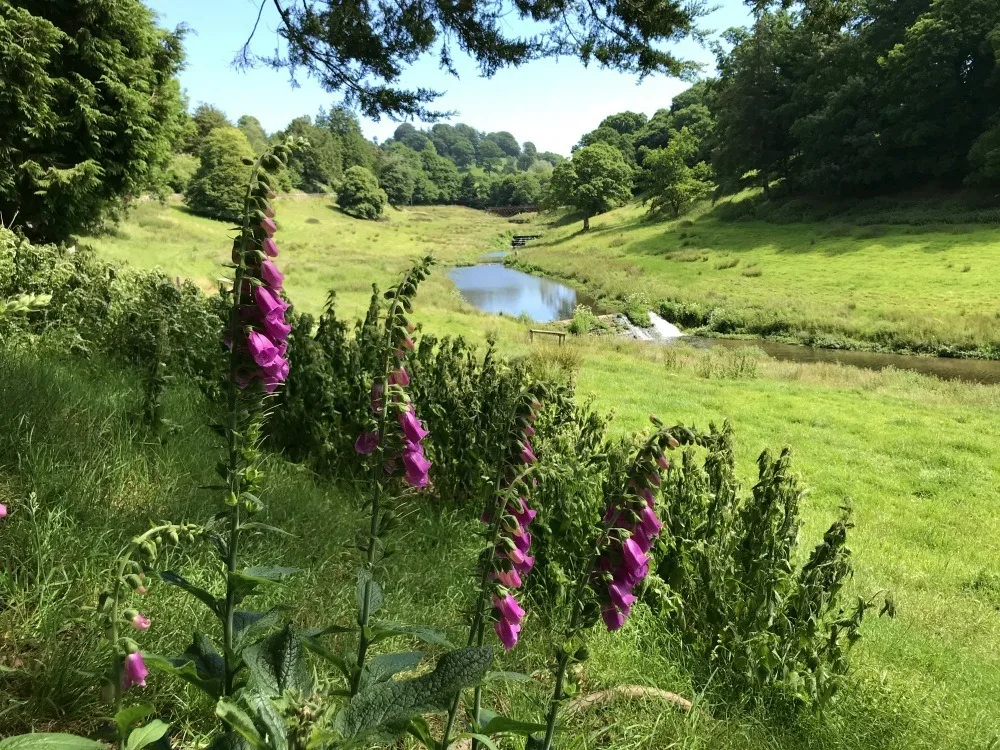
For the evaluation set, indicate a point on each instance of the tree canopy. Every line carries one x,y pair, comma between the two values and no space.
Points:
85,126
595,180
361,48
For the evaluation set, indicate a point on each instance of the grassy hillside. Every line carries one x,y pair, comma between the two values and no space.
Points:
916,458
843,282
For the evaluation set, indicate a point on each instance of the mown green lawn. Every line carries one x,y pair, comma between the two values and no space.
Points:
891,286
914,457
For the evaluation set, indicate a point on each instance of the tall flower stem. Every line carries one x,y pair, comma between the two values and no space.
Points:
232,432
377,468
478,626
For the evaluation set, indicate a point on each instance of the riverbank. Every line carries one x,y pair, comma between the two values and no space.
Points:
908,289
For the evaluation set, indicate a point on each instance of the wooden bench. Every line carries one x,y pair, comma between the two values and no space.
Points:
561,335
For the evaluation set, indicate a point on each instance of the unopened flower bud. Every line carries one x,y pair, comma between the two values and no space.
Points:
672,442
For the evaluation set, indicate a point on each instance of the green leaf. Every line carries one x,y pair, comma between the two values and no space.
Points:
276,664
144,736
263,527
503,725
383,630
42,741
245,583
234,717
336,659
248,625
270,717
482,738
381,668
200,664
375,597
389,703
169,576
129,717
420,729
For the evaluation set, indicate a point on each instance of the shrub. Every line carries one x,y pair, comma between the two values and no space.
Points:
182,169
359,194
636,309
731,590
218,187
584,321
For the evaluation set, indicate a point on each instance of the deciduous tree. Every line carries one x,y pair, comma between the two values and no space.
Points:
595,180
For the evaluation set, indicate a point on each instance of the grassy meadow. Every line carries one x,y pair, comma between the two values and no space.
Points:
916,458
924,285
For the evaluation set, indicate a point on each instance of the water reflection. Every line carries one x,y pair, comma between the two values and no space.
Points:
495,288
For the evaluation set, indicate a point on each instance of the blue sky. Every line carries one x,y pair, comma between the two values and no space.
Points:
548,102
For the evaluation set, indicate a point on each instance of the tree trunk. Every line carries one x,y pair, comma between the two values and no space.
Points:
766,185
586,222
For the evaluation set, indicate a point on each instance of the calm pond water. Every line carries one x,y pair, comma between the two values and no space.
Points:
497,289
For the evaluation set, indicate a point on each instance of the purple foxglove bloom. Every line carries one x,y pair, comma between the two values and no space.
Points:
269,247
270,275
509,609
654,478
642,539
269,211
366,443
262,349
529,431
527,562
508,578
416,465
268,302
276,327
140,623
662,461
412,429
406,343
613,619
651,525
399,377
271,195
268,225
3,510
134,671
621,596
527,456
526,515
633,557
647,494
507,633
522,541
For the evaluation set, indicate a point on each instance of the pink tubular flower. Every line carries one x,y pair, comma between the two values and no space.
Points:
276,327
526,515
269,247
139,622
527,456
268,225
270,275
134,671
529,431
507,633
612,618
412,429
262,349
647,494
634,557
417,465
406,343
366,443
3,510
621,596
649,522
662,462
654,478
268,302
507,578
399,377
509,615
269,211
